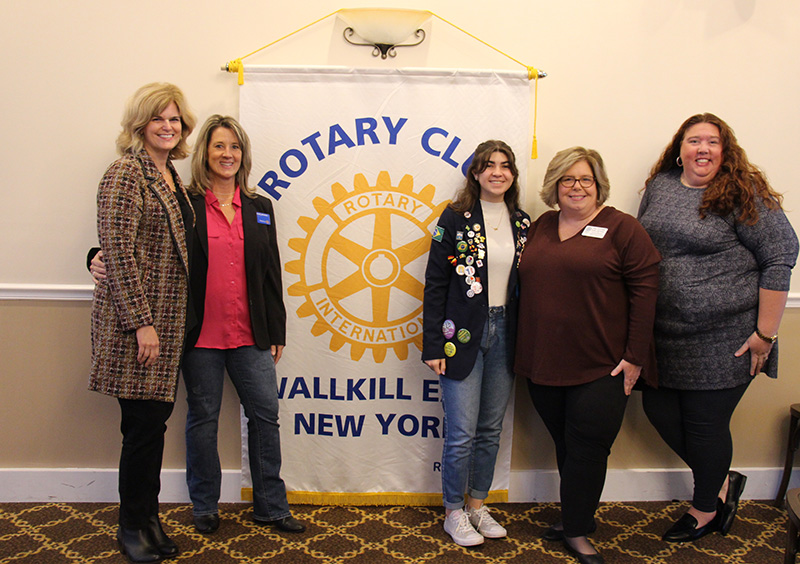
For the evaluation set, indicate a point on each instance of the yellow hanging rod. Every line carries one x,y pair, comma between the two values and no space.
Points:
237,66
534,74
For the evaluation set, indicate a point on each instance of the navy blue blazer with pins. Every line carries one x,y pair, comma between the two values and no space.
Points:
446,291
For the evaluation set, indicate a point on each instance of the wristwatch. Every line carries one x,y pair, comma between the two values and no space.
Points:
766,339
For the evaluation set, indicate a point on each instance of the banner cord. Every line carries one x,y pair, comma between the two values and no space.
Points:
237,66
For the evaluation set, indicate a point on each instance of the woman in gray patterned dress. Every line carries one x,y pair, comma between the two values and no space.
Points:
728,250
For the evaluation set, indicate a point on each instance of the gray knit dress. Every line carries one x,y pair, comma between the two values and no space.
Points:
711,272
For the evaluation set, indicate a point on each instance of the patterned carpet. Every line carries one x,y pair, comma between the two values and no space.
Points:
36,533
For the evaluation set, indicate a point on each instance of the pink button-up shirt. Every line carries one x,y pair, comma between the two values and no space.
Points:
226,320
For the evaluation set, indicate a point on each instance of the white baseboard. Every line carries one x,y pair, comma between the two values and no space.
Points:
650,484
100,485
97,485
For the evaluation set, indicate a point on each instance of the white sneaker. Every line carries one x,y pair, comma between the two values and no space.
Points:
485,523
457,525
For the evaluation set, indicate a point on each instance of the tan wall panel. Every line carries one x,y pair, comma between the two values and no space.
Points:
45,349
759,424
58,423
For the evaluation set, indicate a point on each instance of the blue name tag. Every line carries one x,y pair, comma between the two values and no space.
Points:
263,218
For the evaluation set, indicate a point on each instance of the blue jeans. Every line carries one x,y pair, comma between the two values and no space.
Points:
252,372
473,416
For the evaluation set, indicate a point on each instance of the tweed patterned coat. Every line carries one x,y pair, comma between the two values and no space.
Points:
141,231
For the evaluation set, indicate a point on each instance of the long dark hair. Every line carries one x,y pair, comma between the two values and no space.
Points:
468,196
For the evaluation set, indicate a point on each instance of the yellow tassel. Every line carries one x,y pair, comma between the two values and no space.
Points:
236,66
240,69
534,145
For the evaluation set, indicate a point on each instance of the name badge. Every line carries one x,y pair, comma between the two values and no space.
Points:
593,231
263,218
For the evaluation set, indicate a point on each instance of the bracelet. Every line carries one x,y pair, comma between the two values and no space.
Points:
763,337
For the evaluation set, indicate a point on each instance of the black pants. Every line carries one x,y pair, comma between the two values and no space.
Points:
584,421
143,427
696,425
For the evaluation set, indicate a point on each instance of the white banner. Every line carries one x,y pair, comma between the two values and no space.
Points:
360,164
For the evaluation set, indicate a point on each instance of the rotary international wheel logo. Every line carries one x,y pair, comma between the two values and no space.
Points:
362,265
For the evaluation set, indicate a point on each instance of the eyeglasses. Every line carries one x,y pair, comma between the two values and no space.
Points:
584,181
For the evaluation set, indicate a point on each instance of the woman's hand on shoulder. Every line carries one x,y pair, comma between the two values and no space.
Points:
97,268
438,365
630,372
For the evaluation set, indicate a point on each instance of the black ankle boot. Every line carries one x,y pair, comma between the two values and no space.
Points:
163,543
137,545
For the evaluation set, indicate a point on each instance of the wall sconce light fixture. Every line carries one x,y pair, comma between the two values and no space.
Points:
384,29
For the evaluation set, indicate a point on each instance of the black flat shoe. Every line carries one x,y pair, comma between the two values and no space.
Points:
736,482
166,547
287,524
685,529
206,524
584,558
552,534
137,545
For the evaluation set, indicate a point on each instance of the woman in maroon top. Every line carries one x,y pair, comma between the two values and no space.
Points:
238,300
588,280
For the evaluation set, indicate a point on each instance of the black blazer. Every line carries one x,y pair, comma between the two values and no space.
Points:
446,296
262,270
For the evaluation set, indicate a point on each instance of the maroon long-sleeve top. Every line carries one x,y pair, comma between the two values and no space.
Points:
586,302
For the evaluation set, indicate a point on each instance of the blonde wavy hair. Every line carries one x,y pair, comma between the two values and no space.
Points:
562,162
147,102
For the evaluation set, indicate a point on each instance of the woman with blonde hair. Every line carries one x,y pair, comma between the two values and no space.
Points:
139,308
240,325
588,284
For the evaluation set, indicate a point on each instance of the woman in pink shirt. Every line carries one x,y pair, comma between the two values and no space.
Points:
238,301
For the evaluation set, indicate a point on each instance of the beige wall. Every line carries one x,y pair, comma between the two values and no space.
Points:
623,75
57,423
759,424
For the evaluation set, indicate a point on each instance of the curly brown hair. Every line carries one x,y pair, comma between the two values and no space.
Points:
738,184
468,196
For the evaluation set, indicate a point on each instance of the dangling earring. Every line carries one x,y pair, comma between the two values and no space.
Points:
679,161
